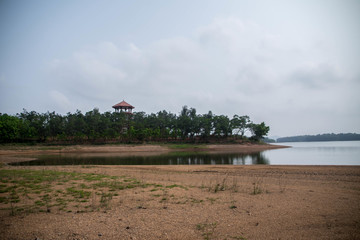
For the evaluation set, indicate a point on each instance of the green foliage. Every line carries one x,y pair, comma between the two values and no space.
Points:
240,124
259,130
9,128
120,127
222,126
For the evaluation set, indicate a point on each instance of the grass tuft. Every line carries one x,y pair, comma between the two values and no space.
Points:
207,229
47,189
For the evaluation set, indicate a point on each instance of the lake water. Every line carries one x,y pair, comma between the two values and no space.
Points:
301,153
316,153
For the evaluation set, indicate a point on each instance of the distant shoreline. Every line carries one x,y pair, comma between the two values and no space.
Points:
316,141
327,137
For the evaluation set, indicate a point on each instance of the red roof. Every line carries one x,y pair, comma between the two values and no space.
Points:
123,104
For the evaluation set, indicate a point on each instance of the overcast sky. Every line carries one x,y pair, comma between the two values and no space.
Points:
293,64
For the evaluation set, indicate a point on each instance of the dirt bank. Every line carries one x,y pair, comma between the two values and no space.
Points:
192,202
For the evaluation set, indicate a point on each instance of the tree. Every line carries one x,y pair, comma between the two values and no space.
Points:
9,128
259,131
166,123
222,126
35,125
75,125
95,126
184,122
54,124
206,124
118,122
240,124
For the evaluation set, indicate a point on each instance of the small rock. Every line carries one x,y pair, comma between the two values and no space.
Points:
127,227
99,234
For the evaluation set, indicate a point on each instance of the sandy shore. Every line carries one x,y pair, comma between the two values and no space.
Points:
203,202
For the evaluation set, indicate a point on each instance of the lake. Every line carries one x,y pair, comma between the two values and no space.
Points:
300,153
316,153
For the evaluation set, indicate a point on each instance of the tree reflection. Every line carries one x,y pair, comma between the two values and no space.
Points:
259,158
177,158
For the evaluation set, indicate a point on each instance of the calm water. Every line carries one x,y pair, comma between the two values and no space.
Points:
303,153
316,153
177,158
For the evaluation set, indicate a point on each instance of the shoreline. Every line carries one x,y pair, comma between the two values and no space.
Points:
176,201
24,153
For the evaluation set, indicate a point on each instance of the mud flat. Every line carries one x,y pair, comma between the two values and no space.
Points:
180,202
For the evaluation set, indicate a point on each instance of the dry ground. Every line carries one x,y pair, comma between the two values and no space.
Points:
185,202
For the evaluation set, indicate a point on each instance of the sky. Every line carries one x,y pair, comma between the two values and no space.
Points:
294,65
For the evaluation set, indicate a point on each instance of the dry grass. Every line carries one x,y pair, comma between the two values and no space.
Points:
180,202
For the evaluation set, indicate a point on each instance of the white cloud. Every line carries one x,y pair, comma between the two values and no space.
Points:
60,100
229,67
315,76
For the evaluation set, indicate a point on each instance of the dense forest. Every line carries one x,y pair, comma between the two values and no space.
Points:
321,137
121,127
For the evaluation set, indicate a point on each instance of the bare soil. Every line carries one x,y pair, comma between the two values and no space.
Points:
203,202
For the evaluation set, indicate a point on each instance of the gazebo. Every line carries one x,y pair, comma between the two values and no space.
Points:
123,107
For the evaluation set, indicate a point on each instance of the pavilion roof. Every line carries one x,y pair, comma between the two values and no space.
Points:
123,104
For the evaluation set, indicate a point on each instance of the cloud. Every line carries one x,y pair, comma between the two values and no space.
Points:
315,76
60,100
93,74
229,66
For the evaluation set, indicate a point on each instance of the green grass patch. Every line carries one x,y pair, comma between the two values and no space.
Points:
175,185
185,146
67,191
207,229
78,193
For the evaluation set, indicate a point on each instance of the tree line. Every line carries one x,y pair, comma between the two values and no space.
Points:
96,127
322,137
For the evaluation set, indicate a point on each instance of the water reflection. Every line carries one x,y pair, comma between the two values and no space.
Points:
178,158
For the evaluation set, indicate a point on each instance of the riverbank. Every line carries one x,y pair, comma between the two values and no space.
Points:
9,154
180,202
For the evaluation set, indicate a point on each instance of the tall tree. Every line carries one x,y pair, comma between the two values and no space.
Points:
36,124
206,124
184,122
55,124
9,128
120,126
259,131
240,124
222,126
